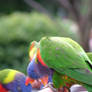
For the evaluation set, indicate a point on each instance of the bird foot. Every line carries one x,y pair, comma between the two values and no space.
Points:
50,85
63,89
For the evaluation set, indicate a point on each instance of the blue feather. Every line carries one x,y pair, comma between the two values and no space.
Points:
18,85
35,70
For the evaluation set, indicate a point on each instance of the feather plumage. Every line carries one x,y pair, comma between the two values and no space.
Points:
14,81
66,57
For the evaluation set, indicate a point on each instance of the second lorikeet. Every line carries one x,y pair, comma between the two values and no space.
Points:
13,81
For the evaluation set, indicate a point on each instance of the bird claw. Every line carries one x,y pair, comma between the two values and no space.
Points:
50,85
63,89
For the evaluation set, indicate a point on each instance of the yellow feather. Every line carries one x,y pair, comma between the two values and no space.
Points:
32,52
10,77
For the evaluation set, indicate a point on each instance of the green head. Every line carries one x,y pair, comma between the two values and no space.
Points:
7,75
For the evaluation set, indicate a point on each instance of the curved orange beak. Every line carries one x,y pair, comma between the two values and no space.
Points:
44,80
29,81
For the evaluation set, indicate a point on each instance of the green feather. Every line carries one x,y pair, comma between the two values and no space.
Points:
3,74
88,87
80,75
57,81
7,75
90,55
58,51
66,57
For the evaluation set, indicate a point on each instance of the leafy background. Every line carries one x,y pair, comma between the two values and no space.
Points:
17,30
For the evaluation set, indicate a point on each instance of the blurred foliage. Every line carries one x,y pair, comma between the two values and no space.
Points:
9,6
19,29
69,29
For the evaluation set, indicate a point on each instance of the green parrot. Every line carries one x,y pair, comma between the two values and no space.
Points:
66,57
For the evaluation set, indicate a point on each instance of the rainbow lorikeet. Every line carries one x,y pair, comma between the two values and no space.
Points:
36,70
66,58
13,81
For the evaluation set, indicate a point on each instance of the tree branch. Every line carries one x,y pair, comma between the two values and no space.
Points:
36,6
71,9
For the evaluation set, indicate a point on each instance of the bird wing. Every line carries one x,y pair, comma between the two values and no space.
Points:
63,52
66,57
82,75
89,54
